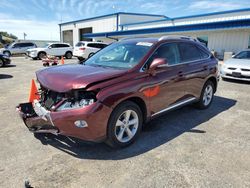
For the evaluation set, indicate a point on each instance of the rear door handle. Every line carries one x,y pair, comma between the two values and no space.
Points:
205,67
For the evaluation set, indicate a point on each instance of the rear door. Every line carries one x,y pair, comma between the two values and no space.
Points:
167,85
196,69
92,48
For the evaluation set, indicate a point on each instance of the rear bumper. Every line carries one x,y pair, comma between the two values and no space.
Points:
39,120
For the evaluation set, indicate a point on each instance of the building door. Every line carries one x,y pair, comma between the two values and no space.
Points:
68,37
83,31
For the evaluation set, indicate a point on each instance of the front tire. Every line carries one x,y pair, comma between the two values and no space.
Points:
1,63
124,125
207,95
7,53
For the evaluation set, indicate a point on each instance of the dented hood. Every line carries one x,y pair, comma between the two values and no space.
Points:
64,78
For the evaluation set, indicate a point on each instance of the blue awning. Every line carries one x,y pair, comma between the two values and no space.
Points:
231,24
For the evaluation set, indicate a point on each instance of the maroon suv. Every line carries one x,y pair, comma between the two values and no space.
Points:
115,92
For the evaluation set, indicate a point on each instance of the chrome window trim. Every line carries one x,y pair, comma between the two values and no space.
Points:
183,63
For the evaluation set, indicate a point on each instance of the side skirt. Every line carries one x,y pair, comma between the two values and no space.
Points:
175,106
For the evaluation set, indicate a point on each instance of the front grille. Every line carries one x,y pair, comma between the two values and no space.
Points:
50,98
231,68
245,69
238,76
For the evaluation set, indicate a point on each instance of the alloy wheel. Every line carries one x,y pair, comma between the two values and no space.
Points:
208,95
126,126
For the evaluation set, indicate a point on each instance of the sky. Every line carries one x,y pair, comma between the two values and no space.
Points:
39,19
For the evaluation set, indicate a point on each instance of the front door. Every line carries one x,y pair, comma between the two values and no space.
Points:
167,86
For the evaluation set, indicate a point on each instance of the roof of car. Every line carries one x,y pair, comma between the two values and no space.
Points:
93,42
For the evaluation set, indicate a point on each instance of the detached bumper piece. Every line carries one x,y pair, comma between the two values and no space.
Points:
36,118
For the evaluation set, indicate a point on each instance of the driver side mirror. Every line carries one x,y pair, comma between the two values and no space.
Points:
157,63
49,47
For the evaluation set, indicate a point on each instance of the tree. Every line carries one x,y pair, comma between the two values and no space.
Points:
4,33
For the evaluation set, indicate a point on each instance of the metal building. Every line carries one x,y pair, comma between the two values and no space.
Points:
221,31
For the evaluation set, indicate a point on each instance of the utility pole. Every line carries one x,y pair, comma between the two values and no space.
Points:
24,36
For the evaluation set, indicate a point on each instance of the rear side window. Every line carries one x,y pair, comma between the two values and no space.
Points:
80,44
189,52
169,52
93,45
59,45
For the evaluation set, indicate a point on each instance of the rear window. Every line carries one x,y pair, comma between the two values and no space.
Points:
189,52
80,44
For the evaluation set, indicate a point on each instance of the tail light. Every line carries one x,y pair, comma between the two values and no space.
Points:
81,48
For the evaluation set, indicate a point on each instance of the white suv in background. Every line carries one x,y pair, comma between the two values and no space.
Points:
54,49
85,49
17,48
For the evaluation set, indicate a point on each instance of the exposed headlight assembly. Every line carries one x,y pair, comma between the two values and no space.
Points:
80,99
68,105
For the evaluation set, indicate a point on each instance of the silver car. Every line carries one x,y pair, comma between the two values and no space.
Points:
17,48
238,67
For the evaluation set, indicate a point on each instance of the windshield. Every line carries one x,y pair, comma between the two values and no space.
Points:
120,55
242,55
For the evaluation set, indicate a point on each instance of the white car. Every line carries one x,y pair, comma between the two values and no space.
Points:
53,49
85,49
238,67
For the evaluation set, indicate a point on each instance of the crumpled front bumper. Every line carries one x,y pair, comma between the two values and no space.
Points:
39,120
36,118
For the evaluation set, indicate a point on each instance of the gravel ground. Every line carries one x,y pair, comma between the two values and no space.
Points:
184,148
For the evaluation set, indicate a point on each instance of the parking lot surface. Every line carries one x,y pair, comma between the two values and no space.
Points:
184,148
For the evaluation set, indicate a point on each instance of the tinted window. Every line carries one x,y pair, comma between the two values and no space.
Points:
80,44
17,45
169,52
26,44
203,54
93,45
189,52
59,45
102,45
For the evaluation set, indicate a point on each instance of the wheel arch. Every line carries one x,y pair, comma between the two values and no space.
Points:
7,51
214,81
138,101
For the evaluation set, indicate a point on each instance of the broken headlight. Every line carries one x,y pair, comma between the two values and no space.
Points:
79,100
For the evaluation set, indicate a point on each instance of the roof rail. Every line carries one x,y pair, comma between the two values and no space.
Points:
178,37
127,38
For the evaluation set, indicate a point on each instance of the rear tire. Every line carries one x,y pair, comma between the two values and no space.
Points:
91,54
68,55
41,55
207,95
124,125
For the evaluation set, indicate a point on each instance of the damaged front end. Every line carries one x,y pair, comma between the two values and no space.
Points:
37,115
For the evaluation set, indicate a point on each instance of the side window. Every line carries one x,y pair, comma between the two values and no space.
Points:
169,52
203,54
189,52
53,46
93,45
17,45
63,45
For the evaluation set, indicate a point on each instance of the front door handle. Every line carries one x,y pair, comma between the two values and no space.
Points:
180,74
205,67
